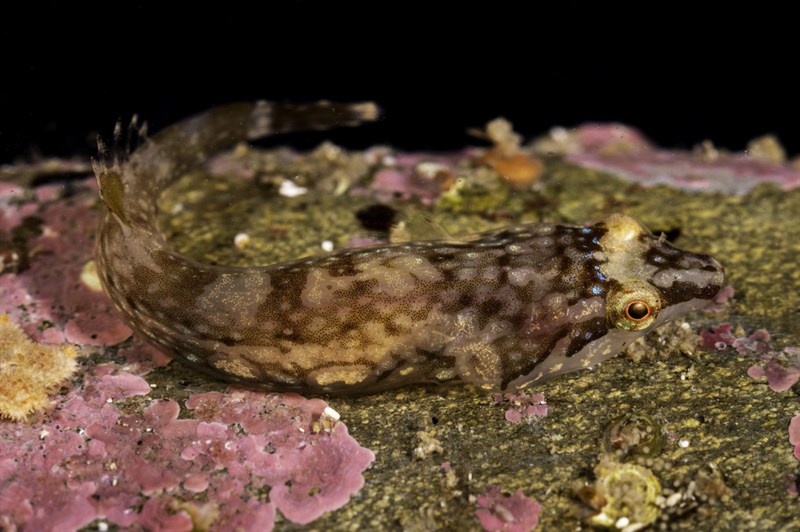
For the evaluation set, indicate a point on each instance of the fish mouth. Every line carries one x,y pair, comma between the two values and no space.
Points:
694,289
717,279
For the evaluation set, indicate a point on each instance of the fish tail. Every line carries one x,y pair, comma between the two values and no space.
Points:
269,118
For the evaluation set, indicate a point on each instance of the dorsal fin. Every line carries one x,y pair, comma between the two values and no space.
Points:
109,163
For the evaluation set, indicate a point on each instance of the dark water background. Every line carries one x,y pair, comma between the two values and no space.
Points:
680,74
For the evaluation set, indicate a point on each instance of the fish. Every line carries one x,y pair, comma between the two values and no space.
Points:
503,309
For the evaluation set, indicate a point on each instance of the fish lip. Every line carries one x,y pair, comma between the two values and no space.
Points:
715,263
720,269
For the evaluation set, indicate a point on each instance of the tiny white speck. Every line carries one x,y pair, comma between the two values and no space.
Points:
389,160
674,499
290,190
109,400
559,134
622,522
241,240
102,526
327,245
429,170
683,444
43,434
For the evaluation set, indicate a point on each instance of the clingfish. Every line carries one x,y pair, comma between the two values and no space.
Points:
502,310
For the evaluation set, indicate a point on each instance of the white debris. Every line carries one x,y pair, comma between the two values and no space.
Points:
290,190
241,240
429,169
330,413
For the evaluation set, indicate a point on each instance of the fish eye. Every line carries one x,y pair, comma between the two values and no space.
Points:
637,310
633,306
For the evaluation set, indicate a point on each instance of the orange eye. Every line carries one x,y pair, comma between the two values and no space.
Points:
637,310
633,306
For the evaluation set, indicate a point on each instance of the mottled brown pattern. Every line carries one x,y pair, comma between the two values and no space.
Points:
503,309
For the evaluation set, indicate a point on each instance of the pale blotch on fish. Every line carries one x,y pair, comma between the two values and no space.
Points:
503,309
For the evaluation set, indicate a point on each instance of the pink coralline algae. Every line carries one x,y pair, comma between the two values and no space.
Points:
509,513
13,208
794,435
778,377
591,138
630,157
523,406
89,460
722,300
422,176
793,480
721,337
49,299
780,368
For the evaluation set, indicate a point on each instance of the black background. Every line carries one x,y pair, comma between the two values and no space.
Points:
679,74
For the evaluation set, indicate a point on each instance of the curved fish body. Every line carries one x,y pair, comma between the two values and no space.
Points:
502,310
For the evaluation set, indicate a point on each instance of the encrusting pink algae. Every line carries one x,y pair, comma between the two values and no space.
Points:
625,153
241,456
51,299
507,513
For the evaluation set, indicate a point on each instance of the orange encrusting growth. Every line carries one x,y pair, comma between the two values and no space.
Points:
507,157
28,370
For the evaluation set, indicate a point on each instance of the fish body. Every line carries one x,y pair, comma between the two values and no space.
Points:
503,309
